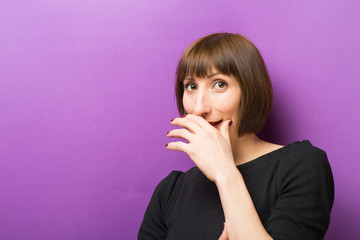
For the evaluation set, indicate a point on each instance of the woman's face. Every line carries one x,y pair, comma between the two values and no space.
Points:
216,98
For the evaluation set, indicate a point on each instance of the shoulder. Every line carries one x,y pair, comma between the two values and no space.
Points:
306,165
303,154
166,185
305,190
169,187
154,225
178,178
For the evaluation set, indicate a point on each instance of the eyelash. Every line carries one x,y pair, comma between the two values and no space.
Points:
222,82
188,85
193,84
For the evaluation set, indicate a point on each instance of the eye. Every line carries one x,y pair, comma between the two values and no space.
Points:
220,85
190,86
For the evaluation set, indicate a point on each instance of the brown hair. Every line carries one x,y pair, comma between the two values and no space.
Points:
232,55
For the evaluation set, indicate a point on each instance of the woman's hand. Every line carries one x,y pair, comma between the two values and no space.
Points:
208,147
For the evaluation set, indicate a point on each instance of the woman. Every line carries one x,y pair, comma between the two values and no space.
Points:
243,187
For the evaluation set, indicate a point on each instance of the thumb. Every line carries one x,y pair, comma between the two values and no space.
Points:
224,235
224,129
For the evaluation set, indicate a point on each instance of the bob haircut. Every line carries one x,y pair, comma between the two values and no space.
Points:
232,55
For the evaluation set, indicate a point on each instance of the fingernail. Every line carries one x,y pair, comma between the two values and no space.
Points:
167,133
223,226
172,119
184,115
166,145
230,123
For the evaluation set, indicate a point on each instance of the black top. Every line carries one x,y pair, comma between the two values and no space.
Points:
292,189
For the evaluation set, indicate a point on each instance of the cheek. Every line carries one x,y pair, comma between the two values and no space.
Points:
187,104
231,109
232,106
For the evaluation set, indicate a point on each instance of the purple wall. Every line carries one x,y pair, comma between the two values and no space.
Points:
86,95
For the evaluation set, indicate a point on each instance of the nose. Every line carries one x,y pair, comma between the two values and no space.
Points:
202,105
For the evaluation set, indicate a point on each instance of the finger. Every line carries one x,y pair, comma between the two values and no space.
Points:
180,133
201,122
187,123
177,146
224,235
224,129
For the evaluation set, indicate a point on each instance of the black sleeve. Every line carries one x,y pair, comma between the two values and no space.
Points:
306,195
153,225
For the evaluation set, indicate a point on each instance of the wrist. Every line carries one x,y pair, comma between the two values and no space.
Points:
227,177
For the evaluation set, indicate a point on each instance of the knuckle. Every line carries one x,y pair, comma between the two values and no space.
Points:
172,146
176,145
191,152
183,131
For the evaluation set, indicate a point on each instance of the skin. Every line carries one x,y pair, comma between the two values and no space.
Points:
216,150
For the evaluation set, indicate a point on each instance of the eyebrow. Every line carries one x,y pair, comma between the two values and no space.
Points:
208,76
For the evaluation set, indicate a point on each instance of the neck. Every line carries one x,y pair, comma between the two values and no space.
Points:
249,147
244,148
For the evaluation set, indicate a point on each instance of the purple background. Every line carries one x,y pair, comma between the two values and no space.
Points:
86,95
